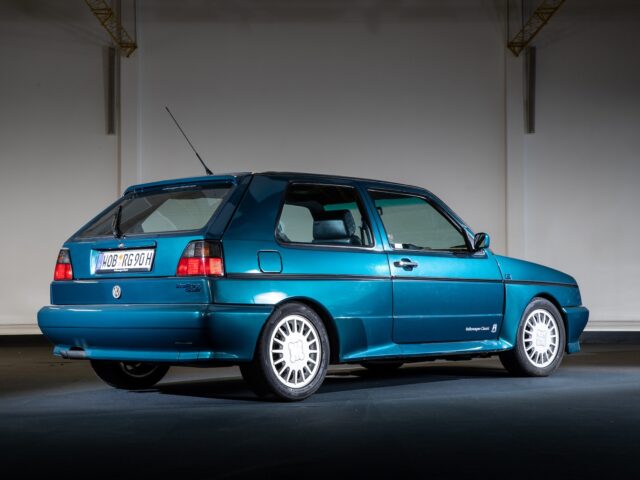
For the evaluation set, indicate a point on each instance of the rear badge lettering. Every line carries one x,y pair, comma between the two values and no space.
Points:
190,287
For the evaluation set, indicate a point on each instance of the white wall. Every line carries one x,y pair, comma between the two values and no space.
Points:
412,94
419,91
57,165
582,166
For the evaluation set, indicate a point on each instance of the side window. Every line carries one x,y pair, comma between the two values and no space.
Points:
413,223
296,224
323,215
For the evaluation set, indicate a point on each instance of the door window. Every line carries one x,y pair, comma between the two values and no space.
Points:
323,215
411,222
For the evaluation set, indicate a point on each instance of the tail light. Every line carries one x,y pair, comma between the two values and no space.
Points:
63,270
201,258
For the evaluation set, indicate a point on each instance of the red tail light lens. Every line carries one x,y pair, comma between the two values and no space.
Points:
201,258
63,270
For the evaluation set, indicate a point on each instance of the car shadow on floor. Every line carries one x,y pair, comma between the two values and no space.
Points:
342,380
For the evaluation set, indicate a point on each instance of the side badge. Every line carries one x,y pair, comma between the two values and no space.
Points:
189,287
116,291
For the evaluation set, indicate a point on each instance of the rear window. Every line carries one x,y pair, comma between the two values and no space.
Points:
168,210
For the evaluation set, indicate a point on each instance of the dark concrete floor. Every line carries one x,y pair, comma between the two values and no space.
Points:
438,420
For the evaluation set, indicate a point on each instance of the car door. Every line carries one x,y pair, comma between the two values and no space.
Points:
442,292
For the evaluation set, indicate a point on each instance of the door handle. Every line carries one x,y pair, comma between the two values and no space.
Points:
406,263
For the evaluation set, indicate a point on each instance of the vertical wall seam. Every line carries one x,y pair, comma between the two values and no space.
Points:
139,110
118,116
505,131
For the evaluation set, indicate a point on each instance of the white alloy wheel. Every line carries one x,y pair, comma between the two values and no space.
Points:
540,337
295,351
292,354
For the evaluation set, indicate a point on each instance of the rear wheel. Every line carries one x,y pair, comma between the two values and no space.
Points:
540,341
292,356
129,375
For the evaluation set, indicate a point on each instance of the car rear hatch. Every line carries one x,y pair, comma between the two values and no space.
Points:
131,251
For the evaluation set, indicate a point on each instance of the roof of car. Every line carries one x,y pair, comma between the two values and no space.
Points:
320,176
288,175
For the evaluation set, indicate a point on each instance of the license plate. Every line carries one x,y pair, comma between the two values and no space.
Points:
139,260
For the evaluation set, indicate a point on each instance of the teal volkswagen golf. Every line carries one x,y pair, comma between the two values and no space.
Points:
284,274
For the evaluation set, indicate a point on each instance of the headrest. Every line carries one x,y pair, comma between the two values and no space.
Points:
334,225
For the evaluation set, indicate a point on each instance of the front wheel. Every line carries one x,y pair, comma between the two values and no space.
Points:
540,341
292,356
129,375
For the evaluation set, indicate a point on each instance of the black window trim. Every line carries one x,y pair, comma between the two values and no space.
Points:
360,201
461,230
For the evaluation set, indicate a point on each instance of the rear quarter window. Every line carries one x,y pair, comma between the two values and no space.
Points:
164,211
323,215
297,222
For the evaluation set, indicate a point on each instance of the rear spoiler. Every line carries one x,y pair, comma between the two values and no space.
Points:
233,178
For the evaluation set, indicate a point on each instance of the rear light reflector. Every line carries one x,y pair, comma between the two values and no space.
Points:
201,258
63,269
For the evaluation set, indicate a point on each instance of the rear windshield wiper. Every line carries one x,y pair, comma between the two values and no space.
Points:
115,225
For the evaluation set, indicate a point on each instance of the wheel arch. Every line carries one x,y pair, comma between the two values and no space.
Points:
327,320
517,299
554,301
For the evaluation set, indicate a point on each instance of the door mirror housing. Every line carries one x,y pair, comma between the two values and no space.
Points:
480,241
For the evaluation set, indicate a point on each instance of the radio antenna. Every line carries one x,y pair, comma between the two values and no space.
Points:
206,169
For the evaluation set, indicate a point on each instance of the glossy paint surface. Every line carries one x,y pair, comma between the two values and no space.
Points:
447,297
144,290
155,332
449,304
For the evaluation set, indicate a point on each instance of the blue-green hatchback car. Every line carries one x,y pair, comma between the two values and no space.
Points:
286,273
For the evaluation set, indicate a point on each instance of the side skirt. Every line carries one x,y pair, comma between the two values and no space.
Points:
416,351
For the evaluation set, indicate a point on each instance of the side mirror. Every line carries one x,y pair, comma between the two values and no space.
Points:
480,241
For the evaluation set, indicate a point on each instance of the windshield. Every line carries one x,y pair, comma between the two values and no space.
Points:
169,210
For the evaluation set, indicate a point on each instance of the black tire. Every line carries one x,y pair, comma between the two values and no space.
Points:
129,375
261,374
520,363
382,367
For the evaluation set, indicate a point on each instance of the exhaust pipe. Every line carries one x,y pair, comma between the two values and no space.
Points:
74,353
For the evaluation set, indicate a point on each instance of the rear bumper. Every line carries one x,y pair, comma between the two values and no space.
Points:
175,333
577,318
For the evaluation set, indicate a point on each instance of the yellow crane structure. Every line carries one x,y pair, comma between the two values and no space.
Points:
112,24
533,25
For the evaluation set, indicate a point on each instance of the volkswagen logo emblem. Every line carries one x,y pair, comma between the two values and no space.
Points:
116,291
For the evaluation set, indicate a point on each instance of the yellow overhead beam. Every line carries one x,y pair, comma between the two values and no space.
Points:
530,29
111,23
